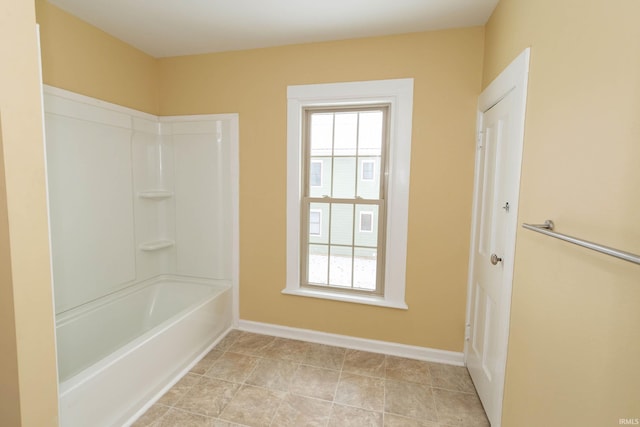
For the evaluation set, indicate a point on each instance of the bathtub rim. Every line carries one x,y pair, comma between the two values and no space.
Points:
77,380
70,314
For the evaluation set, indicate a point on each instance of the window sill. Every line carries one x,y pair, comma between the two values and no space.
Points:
340,296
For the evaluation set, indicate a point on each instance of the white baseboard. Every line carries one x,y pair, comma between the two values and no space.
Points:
390,348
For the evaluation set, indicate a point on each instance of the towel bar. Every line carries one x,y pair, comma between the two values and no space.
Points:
547,229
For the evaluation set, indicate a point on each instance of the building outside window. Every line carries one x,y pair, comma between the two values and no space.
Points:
315,222
366,222
368,168
315,173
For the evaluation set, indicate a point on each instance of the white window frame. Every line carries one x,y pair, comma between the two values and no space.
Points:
369,214
319,212
399,94
373,170
321,163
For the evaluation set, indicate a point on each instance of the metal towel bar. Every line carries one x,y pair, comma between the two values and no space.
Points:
547,229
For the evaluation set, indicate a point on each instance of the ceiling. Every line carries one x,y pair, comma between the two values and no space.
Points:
164,28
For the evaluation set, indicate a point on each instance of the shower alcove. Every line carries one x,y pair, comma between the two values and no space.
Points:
143,216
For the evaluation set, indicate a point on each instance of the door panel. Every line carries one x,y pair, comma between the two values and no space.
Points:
501,120
484,354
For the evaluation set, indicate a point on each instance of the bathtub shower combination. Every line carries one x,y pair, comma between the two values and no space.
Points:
144,236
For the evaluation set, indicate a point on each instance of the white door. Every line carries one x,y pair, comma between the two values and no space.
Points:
498,160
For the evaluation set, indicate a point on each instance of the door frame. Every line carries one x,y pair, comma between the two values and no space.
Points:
511,81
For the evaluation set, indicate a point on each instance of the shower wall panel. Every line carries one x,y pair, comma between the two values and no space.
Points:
91,209
202,153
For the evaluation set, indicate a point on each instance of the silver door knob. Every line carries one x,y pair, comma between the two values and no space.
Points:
495,259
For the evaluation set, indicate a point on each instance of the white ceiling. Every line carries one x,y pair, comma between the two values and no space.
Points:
164,28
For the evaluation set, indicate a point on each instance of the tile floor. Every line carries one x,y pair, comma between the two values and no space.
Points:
258,380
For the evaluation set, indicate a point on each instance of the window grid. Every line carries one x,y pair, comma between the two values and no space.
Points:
353,210
357,200
328,239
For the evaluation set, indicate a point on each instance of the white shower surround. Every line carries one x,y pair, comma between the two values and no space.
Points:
137,203
139,191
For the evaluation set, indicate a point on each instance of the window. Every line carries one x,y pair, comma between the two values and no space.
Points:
315,222
315,173
366,222
343,259
347,231
368,167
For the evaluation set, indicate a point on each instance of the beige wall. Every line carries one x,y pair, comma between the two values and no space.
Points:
27,359
81,58
574,347
446,66
9,388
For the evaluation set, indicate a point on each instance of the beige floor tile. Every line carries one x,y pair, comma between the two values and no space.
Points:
228,340
364,363
273,374
208,397
250,343
232,367
448,377
402,369
392,420
153,414
222,423
234,333
179,389
178,418
296,411
256,380
253,406
325,356
205,363
459,409
315,382
360,391
346,416
286,349
411,400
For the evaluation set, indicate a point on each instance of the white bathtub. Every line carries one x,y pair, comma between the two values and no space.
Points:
117,355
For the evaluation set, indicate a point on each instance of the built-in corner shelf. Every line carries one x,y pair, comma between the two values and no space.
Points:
156,245
155,194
